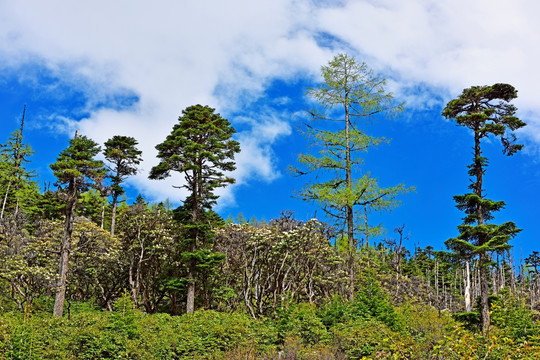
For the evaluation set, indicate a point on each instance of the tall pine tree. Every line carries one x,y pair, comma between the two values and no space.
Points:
76,170
199,147
486,111
123,155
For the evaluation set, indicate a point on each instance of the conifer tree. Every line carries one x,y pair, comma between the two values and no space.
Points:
199,147
351,92
122,153
75,170
17,189
485,110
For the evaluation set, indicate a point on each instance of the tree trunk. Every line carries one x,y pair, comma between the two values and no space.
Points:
190,303
102,225
349,207
484,286
437,301
512,274
64,252
174,310
113,215
484,292
5,201
467,280
428,278
366,225
190,300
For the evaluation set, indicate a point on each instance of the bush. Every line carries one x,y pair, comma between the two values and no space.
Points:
514,317
360,338
371,302
470,320
129,334
302,321
462,344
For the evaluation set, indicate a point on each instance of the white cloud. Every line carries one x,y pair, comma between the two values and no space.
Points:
172,54
451,45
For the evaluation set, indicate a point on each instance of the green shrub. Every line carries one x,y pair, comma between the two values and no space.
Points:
514,318
463,344
332,312
302,321
370,338
370,301
470,320
129,334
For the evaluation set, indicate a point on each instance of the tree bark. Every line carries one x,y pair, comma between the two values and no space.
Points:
113,212
349,207
484,292
468,305
65,251
484,286
5,201
190,301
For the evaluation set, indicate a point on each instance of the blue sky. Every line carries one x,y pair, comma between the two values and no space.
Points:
124,67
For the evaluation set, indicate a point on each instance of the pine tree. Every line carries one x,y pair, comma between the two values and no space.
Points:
199,147
76,170
122,153
17,189
486,110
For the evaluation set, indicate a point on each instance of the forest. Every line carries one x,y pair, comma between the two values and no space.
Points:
86,273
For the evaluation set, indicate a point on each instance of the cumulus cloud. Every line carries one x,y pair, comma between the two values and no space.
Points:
446,45
139,64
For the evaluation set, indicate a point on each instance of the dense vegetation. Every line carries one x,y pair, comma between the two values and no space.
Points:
146,281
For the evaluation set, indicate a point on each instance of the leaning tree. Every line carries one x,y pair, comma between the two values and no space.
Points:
486,111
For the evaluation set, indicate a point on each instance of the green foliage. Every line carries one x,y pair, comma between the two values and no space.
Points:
50,206
332,312
487,111
76,165
514,318
348,83
356,92
18,190
128,334
425,324
301,320
122,153
470,320
298,332
462,344
123,156
200,147
94,206
370,301
359,339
